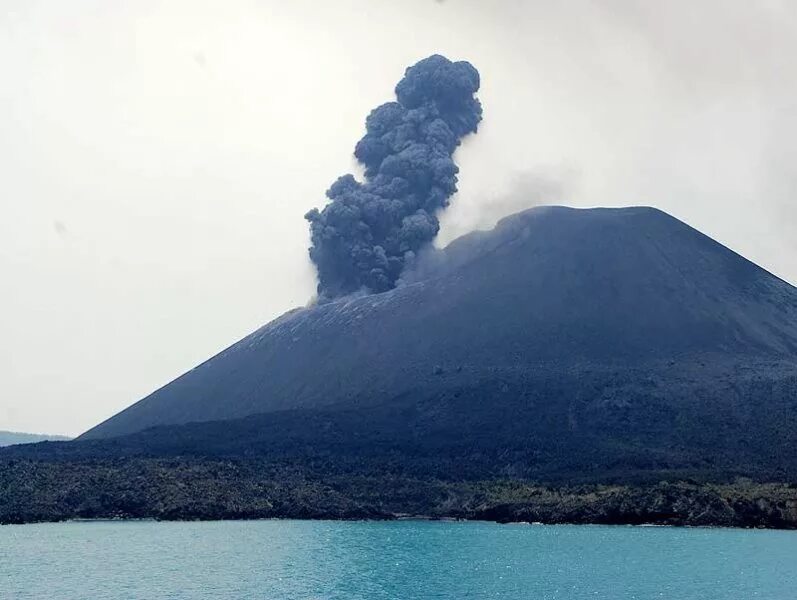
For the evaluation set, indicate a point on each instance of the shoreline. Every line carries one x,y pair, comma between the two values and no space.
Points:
393,518
397,517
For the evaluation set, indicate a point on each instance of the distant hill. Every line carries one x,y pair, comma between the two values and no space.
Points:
9,438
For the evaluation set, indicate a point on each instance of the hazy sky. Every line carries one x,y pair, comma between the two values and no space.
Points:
158,156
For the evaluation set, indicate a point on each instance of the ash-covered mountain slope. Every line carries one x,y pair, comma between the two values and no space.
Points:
625,319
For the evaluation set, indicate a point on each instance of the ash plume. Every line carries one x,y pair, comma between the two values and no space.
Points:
364,237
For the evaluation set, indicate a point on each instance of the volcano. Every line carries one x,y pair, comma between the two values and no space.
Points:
600,336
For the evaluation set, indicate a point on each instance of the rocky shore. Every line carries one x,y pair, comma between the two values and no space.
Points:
176,489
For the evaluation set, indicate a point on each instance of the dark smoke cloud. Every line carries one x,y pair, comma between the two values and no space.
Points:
364,237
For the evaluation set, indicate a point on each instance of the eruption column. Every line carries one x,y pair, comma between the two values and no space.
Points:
364,237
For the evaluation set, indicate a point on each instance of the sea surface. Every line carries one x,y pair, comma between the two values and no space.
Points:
404,559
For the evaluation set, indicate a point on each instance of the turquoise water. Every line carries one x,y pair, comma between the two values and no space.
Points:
407,559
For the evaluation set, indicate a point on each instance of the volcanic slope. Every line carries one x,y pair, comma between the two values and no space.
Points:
619,333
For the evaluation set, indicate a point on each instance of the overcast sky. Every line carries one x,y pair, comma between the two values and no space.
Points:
158,156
